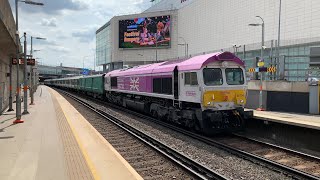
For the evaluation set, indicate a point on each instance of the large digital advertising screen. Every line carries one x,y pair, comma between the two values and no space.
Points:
145,32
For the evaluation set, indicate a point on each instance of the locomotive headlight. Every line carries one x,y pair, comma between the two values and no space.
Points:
241,101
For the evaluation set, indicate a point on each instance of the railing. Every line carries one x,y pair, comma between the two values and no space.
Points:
299,68
289,68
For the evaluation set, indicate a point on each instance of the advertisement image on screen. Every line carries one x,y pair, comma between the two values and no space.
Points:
145,32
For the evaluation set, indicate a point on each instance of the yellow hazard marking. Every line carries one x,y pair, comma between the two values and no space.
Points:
251,70
84,152
272,69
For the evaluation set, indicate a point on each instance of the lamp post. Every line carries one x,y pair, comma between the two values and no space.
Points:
279,30
156,46
32,80
32,87
235,48
25,82
262,41
18,100
10,88
261,63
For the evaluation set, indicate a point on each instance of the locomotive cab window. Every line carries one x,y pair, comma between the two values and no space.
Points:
234,76
190,78
212,76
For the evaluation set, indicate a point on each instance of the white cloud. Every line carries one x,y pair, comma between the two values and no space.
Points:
59,49
70,25
52,22
86,34
54,6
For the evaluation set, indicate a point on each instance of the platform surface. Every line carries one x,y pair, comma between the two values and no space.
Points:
56,142
301,120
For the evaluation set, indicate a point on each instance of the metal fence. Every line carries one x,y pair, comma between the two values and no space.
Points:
297,68
289,68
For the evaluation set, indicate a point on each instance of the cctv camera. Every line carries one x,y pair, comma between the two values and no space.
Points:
264,47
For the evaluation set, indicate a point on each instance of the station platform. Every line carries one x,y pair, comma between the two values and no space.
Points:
300,120
56,142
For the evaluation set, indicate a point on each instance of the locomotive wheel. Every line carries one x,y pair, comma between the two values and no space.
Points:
154,114
197,127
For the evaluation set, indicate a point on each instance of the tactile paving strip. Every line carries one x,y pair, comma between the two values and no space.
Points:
77,167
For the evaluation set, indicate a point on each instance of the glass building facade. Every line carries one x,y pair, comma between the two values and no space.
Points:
296,60
103,45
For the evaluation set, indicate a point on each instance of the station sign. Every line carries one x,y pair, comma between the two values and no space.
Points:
263,69
271,69
260,64
30,62
85,71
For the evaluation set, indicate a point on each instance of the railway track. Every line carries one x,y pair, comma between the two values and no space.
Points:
297,161
292,163
145,160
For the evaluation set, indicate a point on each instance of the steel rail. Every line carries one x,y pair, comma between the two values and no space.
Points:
277,147
191,166
241,153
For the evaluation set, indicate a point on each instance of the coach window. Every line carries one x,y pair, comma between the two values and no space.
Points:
212,76
190,78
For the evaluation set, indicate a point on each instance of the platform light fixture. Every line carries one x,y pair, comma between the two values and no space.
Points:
33,3
261,58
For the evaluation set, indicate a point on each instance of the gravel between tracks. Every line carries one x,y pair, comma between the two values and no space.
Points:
225,163
146,161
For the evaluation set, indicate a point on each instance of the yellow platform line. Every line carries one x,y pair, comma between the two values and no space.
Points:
84,152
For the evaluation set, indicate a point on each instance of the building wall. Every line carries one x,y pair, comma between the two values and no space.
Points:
213,25
279,96
5,81
103,45
163,5
7,50
143,55
7,34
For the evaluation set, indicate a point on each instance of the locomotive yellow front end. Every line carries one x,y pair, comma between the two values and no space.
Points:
224,99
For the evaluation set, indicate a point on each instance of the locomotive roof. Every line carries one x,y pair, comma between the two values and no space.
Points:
193,63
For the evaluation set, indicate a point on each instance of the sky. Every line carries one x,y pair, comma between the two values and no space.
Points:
69,27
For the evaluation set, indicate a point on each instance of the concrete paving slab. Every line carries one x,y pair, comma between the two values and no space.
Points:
105,161
301,120
33,149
